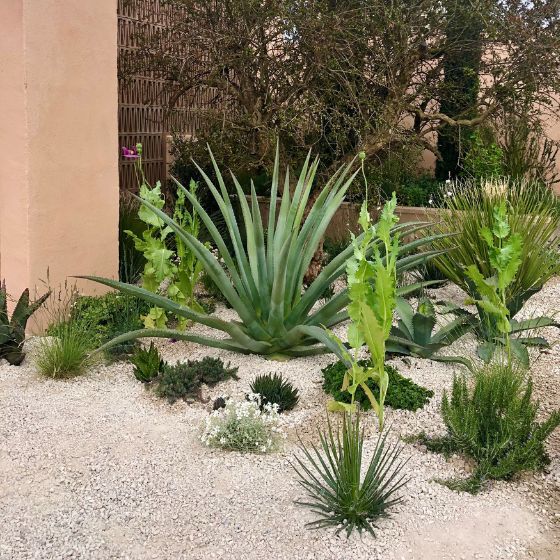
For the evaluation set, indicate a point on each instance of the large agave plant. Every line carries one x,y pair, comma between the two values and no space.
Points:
262,277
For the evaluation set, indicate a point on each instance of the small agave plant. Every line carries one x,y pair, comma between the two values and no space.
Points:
262,277
414,334
12,330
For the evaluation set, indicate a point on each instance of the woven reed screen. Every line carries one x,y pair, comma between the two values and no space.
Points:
142,113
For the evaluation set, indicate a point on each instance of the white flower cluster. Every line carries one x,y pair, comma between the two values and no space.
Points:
243,426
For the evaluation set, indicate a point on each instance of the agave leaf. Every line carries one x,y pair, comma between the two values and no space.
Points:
534,323
534,341
224,344
519,350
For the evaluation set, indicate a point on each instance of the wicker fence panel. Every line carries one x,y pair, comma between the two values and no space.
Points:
143,116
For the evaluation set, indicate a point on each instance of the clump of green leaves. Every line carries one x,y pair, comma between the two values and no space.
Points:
495,424
103,318
372,293
184,379
331,476
148,363
168,258
413,334
274,389
402,392
12,331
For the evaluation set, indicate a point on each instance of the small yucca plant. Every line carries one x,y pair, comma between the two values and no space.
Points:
331,476
274,389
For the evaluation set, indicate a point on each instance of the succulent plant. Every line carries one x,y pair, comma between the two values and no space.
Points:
414,333
262,278
12,331
274,389
147,363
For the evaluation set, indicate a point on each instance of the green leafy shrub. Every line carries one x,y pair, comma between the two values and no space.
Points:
168,259
67,353
183,379
148,363
372,292
484,158
494,422
243,426
12,330
331,476
402,393
274,389
263,278
105,317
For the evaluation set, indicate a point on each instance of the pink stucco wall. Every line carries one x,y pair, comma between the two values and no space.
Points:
58,141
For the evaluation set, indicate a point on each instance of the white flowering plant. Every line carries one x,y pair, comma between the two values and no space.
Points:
243,426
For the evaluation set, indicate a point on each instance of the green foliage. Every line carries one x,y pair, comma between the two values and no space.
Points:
131,261
176,265
495,422
12,330
178,381
105,317
243,426
413,335
331,476
183,379
484,159
263,278
505,250
274,389
402,393
148,363
372,292
67,353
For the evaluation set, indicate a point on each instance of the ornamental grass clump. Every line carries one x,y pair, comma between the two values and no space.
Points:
67,354
331,474
262,275
244,426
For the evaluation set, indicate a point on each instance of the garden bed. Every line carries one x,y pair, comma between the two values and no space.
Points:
99,467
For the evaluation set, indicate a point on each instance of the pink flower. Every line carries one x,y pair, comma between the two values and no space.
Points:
130,153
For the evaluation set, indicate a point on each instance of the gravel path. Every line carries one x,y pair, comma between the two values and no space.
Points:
97,468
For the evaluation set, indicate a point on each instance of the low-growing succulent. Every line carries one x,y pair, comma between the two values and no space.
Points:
184,379
413,335
178,381
213,370
274,389
148,363
402,393
12,330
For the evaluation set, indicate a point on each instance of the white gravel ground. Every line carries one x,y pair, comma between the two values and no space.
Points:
97,467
